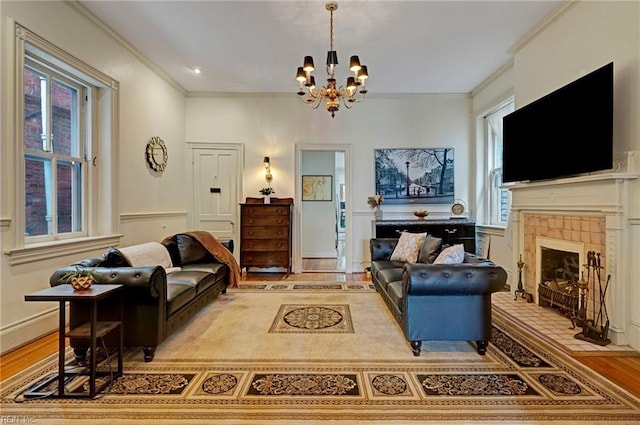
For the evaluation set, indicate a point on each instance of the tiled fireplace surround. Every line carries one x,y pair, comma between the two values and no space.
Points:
563,232
590,212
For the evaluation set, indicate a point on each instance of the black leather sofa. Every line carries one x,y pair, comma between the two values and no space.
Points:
154,304
448,302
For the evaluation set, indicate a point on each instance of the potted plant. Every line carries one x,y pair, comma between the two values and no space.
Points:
375,202
267,191
80,278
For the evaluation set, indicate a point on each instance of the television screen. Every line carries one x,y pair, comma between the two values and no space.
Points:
565,133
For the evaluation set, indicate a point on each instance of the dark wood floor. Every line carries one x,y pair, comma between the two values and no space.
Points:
621,368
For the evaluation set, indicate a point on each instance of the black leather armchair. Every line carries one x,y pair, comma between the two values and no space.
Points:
450,302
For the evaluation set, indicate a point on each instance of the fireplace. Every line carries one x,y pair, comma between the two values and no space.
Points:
595,211
558,271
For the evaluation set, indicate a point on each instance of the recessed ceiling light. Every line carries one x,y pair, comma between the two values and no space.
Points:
196,70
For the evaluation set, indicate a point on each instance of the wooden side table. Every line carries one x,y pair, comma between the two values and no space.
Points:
90,331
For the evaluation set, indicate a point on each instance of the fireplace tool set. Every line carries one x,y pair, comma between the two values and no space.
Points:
594,329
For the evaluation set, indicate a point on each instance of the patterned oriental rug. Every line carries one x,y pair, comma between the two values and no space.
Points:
331,354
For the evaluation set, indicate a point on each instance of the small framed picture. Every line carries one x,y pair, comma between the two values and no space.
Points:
317,188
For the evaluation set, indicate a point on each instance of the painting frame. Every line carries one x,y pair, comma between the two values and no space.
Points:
317,188
410,176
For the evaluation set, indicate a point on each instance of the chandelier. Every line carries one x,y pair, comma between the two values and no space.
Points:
333,95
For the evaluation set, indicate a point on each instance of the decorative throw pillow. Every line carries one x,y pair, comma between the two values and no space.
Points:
191,251
408,247
431,247
451,255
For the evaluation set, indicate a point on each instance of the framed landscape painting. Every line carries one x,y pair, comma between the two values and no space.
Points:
415,176
317,188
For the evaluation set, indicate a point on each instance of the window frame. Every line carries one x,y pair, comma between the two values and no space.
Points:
102,224
499,198
83,145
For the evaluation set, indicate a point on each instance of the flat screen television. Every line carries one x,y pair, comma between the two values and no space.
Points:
565,133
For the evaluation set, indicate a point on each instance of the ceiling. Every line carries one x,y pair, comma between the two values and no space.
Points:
256,46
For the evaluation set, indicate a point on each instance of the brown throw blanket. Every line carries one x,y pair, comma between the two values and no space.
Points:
219,252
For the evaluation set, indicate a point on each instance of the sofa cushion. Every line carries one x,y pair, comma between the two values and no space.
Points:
174,252
451,255
178,295
378,265
191,251
219,271
386,276
430,249
395,293
200,280
112,257
408,247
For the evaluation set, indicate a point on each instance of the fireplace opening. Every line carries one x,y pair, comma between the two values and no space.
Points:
559,273
558,265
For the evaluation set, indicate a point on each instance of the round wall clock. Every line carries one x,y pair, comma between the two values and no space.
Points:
458,209
157,154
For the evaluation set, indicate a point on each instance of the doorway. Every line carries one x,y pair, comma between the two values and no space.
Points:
323,230
216,175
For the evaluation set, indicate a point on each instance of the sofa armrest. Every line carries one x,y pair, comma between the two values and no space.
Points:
381,248
453,279
150,281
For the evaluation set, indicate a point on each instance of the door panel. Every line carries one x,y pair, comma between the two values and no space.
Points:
215,200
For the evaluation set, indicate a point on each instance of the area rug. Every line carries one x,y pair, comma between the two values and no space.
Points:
271,286
228,366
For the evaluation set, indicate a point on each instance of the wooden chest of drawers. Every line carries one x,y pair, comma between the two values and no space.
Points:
265,236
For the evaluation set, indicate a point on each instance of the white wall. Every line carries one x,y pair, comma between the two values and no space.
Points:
149,106
271,125
583,38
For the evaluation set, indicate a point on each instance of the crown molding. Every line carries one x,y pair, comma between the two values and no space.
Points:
546,22
78,7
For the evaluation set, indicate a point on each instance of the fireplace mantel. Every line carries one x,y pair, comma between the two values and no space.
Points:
581,179
604,201
598,192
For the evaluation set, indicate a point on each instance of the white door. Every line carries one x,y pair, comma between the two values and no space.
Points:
216,183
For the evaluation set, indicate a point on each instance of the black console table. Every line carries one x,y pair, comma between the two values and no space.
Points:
90,331
452,231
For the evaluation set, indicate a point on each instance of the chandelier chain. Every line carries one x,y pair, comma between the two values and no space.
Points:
331,30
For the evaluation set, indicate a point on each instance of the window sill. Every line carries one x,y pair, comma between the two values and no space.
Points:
48,250
491,229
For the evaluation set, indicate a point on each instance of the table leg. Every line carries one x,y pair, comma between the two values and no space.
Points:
121,348
92,356
61,347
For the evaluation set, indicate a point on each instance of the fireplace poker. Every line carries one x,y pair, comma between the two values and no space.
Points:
603,307
598,271
593,284
595,330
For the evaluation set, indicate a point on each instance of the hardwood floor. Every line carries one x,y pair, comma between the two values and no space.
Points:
621,368
23,357
337,263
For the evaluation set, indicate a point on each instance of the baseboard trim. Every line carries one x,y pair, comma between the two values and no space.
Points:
28,330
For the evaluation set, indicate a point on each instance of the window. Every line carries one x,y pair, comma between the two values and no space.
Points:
55,173
498,198
66,128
